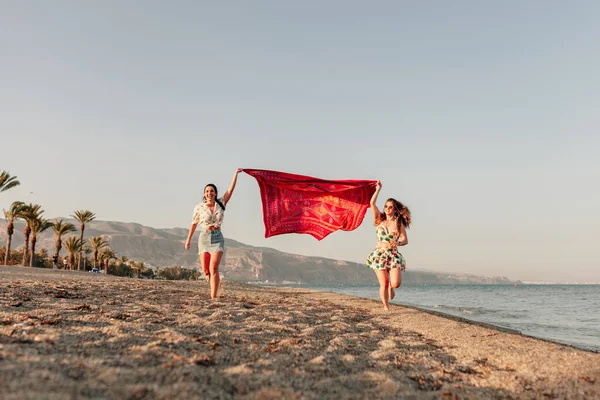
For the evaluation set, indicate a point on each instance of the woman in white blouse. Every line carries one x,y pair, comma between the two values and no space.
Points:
209,215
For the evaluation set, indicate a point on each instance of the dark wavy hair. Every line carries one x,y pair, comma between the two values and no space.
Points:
400,211
212,185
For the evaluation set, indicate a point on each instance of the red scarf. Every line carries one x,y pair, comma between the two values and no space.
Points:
318,207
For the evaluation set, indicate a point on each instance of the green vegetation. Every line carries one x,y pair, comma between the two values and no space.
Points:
38,225
179,273
7,181
103,257
61,228
97,244
73,246
14,212
83,216
97,247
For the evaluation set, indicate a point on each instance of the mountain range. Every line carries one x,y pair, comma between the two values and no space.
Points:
242,262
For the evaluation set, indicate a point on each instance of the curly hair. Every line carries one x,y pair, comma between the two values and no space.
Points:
400,211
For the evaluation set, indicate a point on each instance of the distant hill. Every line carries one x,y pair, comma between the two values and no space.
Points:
164,248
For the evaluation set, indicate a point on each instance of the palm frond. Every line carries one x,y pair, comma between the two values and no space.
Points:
97,243
83,216
107,253
73,244
61,227
30,212
7,181
14,211
39,225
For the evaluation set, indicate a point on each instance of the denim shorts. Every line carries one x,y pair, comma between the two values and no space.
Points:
211,242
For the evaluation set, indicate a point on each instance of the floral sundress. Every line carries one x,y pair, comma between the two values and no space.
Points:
386,255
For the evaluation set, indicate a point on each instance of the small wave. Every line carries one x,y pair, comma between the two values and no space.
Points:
540,326
587,320
548,312
482,311
465,310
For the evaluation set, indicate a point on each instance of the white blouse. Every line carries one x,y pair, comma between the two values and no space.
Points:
205,218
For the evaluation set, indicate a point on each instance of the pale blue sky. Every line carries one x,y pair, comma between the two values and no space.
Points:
481,116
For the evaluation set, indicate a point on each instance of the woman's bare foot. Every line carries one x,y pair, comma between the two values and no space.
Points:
392,293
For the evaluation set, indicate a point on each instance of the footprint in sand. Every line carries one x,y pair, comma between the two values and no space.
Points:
348,358
317,360
241,369
385,347
336,344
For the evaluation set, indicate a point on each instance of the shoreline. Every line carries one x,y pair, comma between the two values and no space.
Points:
487,325
499,328
65,334
442,314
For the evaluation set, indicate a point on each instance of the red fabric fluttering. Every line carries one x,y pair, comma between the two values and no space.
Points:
303,204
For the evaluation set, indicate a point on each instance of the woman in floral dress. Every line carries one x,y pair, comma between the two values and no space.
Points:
386,260
209,216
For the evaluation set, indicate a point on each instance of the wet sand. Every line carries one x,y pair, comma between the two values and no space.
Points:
81,335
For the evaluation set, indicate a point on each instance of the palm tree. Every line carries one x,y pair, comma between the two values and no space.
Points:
29,213
61,228
73,246
7,181
38,225
86,250
97,243
83,216
13,213
106,255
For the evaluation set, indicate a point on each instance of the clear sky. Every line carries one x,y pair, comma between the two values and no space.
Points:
483,117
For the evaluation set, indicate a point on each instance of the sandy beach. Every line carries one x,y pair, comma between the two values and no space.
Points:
82,335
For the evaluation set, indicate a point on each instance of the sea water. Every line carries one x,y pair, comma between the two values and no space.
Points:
568,314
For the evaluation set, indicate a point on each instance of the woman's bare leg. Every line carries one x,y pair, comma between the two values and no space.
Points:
205,262
384,283
215,278
395,281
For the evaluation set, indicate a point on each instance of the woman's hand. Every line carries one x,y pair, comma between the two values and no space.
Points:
378,185
187,244
237,171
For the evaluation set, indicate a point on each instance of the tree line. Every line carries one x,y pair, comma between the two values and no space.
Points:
78,250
